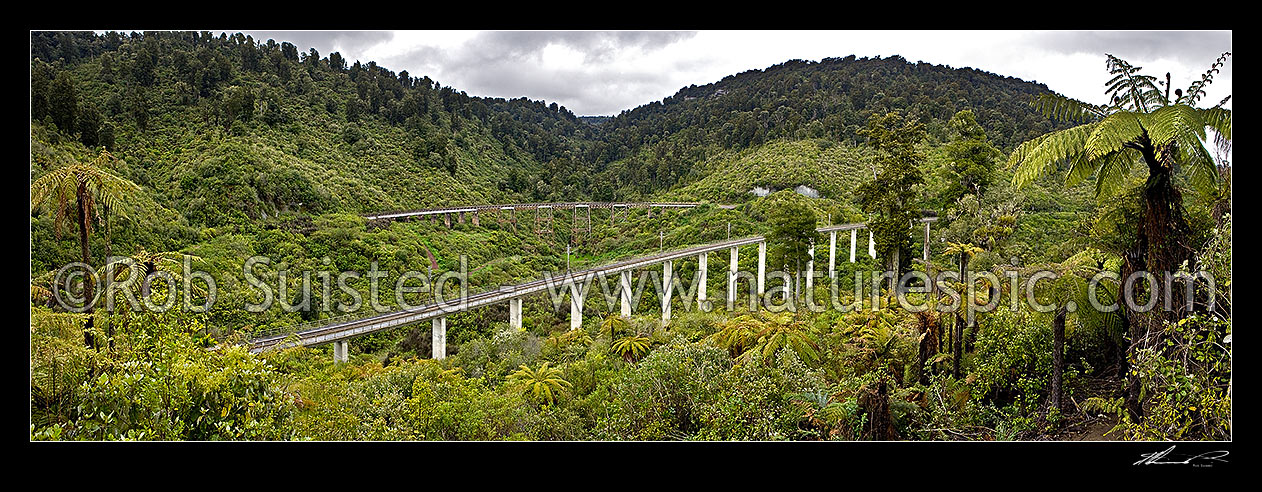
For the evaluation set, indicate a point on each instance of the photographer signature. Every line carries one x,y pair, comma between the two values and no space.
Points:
1158,458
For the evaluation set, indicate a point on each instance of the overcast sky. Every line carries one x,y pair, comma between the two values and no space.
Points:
603,73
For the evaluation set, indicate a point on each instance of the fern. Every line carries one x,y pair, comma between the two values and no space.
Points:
1128,88
1197,90
1107,406
1139,122
1061,108
1034,161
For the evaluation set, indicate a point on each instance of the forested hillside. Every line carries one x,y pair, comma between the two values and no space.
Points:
830,99
352,136
169,151
225,126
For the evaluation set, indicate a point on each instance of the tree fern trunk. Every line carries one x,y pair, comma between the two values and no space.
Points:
1162,245
86,257
957,342
957,333
1058,361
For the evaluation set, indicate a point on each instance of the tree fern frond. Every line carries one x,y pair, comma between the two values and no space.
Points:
1197,90
1050,149
1061,108
1019,154
1080,168
1111,176
1113,133
1199,166
1184,127
1130,88
1179,123
1219,120
1222,102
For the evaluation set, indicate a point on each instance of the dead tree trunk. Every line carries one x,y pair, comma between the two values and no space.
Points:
876,404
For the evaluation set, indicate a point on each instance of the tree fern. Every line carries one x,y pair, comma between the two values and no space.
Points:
544,384
632,348
1139,124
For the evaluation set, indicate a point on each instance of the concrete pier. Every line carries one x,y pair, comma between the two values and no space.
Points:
762,268
832,255
871,245
667,287
732,266
810,268
341,351
514,313
439,339
702,266
853,239
926,256
624,292
576,306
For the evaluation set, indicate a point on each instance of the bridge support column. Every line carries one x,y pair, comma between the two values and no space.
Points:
732,265
832,255
762,269
624,292
854,235
667,286
514,313
576,306
447,219
341,351
926,258
459,217
871,244
475,218
439,339
702,266
810,269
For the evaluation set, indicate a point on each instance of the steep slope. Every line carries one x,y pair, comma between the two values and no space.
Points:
357,136
223,126
825,166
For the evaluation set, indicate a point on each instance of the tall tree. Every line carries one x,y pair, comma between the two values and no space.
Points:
90,126
1141,124
888,196
41,80
971,156
63,103
792,233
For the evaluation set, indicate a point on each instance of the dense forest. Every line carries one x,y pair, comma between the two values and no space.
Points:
175,149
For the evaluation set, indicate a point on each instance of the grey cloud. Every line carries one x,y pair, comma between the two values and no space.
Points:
505,64
1192,53
604,91
1194,48
349,43
596,46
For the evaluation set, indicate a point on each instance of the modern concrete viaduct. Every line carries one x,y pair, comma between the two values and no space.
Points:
339,332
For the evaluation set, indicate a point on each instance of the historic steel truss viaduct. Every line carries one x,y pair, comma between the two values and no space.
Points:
542,213
340,331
